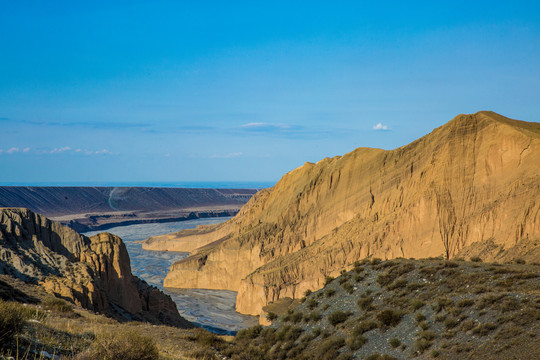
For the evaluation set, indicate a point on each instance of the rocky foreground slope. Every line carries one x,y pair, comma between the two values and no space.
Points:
407,309
94,272
470,186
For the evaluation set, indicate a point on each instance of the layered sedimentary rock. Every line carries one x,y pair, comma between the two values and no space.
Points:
94,273
99,208
474,180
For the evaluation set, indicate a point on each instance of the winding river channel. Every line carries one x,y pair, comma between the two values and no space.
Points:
210,309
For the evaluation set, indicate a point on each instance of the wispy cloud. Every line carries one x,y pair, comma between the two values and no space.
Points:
381,127
56,151
60,150
268,127
227,156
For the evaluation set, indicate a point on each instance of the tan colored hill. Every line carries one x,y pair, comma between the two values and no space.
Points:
473,181
94,272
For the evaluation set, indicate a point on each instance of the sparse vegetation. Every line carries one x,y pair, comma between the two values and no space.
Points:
338,317
443,312
389,317
12,320
128,345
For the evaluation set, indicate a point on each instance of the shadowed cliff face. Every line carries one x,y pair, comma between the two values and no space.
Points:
94,272
473,180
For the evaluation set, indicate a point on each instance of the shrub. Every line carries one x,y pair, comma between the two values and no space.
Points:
207,339
476,259
348,288
484,329
450,322
394,342
442,303
398,284
519,261
307,292
296,317
386,279
389,317
249,333
328,280
417,304
426,334
423,325
365,303
58,305
465,303
422,345
12,320
419,317
363,327
344,356
271,316
293,333
338,317
331,343
356,342
467,325
124,345
315,316
376,356
330,292
312,304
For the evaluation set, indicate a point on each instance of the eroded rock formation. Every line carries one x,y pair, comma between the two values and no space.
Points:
474,180
94,272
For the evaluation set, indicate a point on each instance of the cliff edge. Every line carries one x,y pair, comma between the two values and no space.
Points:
471,181
94,272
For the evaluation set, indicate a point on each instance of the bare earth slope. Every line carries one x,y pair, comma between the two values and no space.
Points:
98,208
94,273
472,181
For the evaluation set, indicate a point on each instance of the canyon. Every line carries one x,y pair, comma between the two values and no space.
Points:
469,188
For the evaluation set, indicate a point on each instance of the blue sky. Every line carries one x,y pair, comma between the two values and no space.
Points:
175,91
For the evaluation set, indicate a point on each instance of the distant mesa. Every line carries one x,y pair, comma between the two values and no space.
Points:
469,188
94,273
100,208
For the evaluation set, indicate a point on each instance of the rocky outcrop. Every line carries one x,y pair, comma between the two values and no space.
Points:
94,272
475,179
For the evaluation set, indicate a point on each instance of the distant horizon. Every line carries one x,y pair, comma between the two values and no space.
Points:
164,184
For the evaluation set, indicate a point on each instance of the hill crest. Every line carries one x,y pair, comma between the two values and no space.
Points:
472,180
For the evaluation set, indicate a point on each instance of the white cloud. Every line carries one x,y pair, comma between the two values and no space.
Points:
26,149
253,124
380,126
13,150
60,150
260,126
104,151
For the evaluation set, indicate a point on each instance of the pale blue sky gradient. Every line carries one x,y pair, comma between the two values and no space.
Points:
169,91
